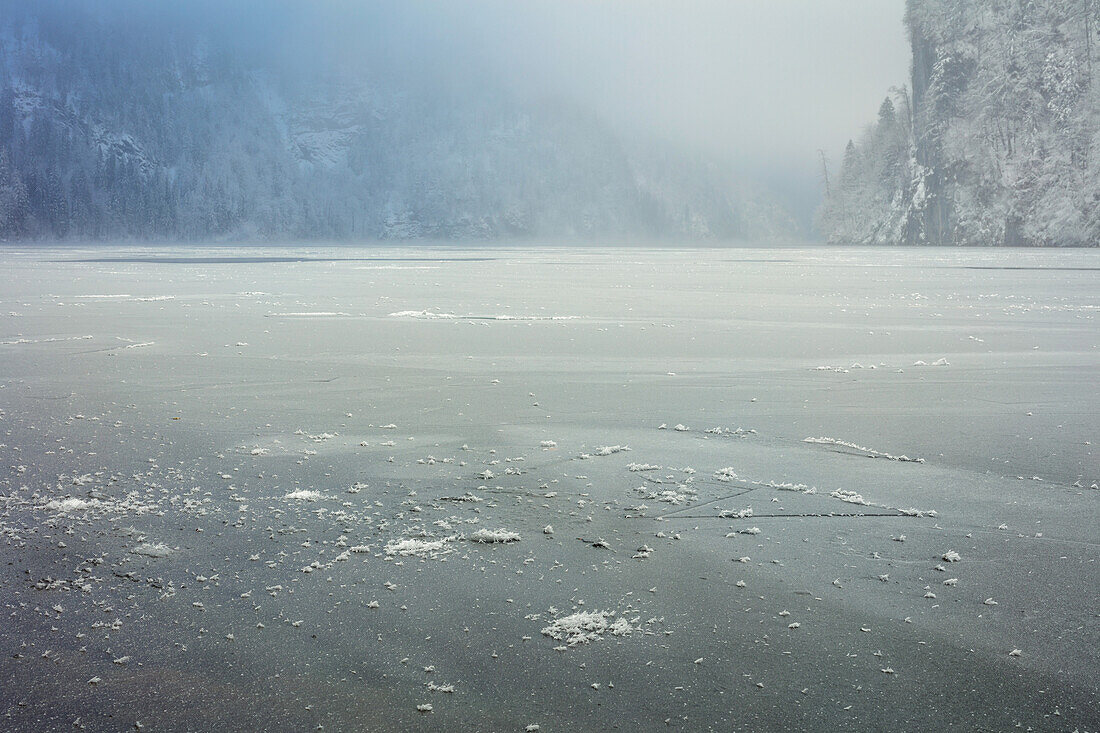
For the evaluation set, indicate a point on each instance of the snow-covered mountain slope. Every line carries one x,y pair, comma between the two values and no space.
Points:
116,123
998,143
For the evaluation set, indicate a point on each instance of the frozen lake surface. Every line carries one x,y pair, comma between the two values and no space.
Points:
578,489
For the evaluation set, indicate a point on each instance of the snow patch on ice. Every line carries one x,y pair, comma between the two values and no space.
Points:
490,536
310,314
305,495
849,496
71,504
152,549
428,315
426,548
586,626
862,449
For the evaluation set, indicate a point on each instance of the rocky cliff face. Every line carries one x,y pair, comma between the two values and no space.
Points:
998,143
118,122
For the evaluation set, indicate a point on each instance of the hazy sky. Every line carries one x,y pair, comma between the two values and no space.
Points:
765,83
765,78
761,83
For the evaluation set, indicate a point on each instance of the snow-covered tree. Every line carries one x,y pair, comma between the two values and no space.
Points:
130,119
1004,144
14,203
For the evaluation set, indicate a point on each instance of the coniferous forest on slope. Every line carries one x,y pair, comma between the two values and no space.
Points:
124,121
128,120
996,141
